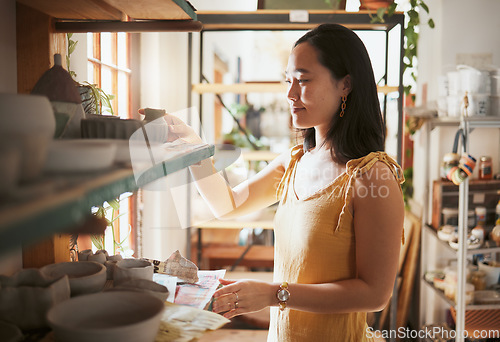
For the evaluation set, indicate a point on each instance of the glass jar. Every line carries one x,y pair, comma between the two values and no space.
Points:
478,279
485,168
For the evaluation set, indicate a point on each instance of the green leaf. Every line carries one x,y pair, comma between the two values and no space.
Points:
391,9
381,13
431,23
97,240
424,6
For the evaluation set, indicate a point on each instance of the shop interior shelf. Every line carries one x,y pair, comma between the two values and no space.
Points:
452,303
68,198
489,248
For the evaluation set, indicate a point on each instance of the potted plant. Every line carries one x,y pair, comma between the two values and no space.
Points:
94,99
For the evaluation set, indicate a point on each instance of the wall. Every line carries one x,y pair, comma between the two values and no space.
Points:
8,84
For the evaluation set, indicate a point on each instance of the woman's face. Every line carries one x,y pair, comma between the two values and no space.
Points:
313,94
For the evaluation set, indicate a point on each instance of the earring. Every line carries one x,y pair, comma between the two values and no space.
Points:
342,107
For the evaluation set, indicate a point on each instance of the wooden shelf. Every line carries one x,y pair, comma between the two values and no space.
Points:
73,195
280,20
114,9
264,87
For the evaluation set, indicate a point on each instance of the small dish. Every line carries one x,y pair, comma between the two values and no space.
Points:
132,269
79,155
84,276
143,285
445,232
111,316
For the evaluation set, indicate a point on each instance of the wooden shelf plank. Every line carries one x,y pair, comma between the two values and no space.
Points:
114,9
76,194
280,20
75,9
159,9
128,26
258,87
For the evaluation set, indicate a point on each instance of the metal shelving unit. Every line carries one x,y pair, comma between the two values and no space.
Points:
281,20
468,124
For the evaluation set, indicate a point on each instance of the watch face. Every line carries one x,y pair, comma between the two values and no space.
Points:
283,295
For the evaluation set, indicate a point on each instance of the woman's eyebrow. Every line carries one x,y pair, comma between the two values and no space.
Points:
300,71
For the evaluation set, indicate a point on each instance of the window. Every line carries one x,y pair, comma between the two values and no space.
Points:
108,67
108,56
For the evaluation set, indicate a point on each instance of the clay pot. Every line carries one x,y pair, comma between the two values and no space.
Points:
30,291
84,276
133,269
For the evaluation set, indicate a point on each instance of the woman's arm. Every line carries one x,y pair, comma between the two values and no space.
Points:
226,202
378,222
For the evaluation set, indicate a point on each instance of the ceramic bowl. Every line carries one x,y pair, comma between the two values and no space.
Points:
30,290
143,285
84,276
120,316
79,155
132,269
108,127
492,273
29,121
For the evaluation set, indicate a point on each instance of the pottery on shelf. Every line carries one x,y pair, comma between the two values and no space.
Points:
142,285
133,269
30,291
57,84
84,277
27,122
121,316
108,127
155,126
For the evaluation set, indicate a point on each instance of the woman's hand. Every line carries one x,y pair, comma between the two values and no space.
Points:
177,129
243,296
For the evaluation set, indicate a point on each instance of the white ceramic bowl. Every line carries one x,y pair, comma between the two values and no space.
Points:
133,269
80,155
112,316
492,273
143,285
84,276
29,122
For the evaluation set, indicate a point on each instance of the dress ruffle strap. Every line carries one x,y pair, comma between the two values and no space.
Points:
296,153
357,167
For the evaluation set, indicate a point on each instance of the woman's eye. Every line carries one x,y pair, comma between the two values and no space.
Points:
288,81
302,81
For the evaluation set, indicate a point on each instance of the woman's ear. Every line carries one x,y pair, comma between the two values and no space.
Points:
346,84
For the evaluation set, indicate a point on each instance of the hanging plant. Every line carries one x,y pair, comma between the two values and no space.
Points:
410,32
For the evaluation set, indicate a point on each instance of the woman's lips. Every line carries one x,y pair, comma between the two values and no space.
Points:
296,110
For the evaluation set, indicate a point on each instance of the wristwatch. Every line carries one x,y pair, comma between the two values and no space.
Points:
283,295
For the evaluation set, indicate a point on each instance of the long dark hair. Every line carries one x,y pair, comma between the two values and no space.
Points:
361,129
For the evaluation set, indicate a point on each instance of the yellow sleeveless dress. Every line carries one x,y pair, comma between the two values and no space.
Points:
315,243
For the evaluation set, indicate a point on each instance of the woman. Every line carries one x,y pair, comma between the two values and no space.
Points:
339,223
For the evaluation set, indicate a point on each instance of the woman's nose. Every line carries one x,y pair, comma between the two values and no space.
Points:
292,93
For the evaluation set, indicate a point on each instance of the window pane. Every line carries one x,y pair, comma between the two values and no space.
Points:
123,90
123,50
107,82
106,48
90,45
90,72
